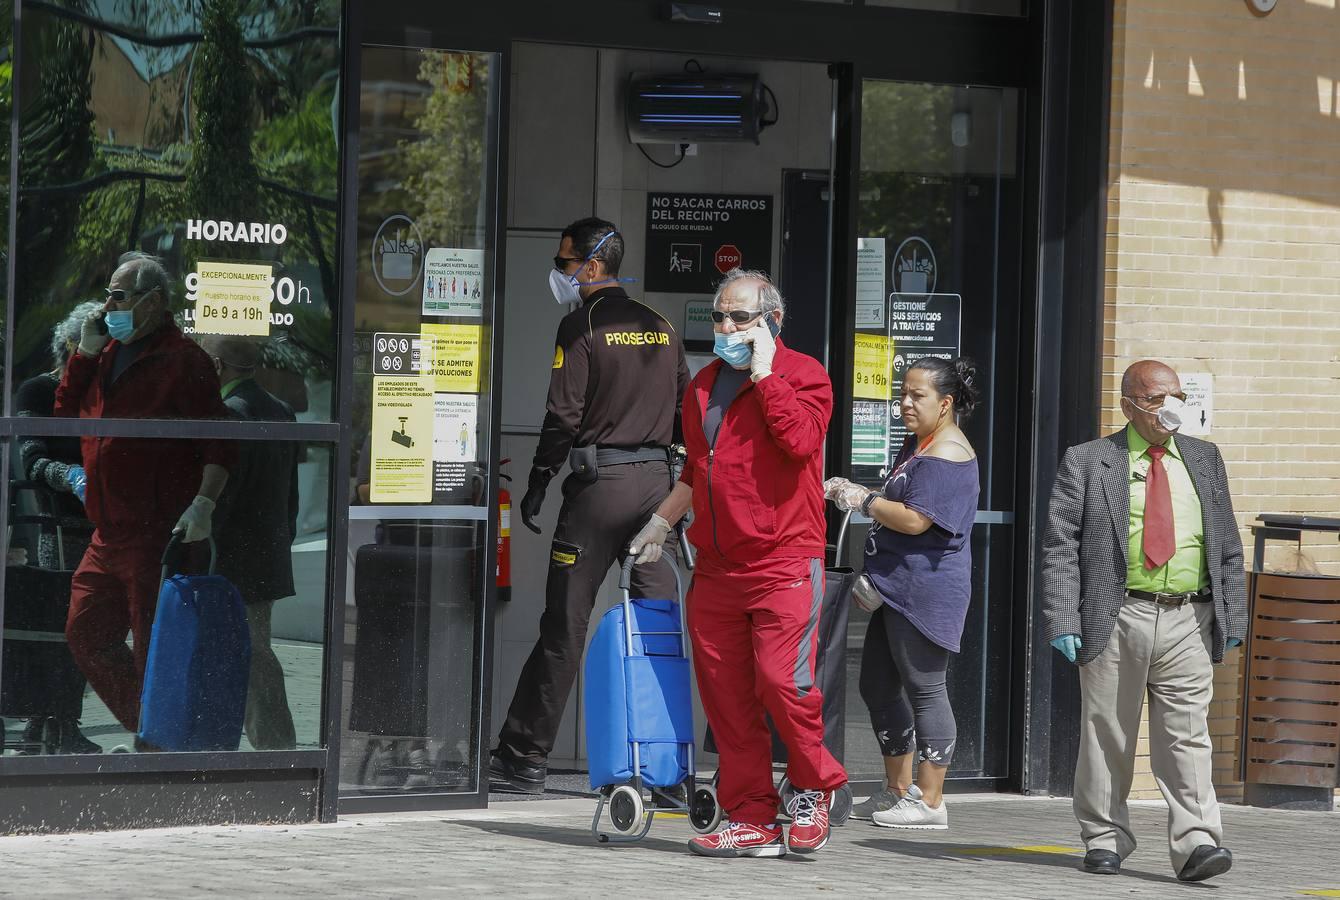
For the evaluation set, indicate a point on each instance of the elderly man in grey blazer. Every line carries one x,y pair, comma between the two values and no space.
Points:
1143,586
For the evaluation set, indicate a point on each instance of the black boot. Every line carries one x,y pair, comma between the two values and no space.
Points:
65,737
517,774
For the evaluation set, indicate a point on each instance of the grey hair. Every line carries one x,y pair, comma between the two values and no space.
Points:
769,298
68,331
150,273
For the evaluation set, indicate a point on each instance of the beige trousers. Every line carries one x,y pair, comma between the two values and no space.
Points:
1163,652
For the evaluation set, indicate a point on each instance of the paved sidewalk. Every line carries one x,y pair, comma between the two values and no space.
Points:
998,847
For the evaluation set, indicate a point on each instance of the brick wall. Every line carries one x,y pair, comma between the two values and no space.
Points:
1223,252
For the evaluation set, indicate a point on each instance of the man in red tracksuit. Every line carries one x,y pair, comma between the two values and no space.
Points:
134,363
754,426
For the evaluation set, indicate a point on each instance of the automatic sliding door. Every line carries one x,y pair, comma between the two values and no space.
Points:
419,561
938,256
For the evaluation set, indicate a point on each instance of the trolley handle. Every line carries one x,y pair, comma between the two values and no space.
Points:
839,549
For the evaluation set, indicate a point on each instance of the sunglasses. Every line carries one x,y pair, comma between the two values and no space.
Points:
561,262
118,296
738,316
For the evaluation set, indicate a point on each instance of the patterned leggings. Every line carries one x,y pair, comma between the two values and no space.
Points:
903,686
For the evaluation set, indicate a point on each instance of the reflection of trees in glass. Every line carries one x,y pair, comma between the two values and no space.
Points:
905,180
905,127
55,144
445,165
263,151
221,178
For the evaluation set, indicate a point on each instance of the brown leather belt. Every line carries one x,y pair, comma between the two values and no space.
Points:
1173,600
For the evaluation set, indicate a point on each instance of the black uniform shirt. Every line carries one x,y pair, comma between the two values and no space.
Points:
618,380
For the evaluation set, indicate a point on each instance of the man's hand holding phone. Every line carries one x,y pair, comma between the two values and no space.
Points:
763,339
93,334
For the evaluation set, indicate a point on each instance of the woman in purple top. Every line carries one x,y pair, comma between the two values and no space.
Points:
918,561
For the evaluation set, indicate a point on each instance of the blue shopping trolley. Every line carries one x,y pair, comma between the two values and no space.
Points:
639,717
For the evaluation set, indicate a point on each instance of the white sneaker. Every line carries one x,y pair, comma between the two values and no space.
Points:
878,802
912,812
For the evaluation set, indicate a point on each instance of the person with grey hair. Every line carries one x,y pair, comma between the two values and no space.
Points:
132,362
55,469
754,428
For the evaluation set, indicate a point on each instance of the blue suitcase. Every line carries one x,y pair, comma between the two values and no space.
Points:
639,716
195,681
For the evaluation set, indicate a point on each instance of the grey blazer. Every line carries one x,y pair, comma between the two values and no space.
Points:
1088,531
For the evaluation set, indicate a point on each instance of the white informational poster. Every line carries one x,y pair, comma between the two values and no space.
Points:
453,282
455,431
870,282
1198,414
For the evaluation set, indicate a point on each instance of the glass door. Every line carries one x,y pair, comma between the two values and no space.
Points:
421,511
937,274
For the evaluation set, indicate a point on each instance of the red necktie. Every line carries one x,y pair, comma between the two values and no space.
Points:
1159,539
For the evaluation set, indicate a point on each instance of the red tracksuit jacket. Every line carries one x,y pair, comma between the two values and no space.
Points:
758,493
139,487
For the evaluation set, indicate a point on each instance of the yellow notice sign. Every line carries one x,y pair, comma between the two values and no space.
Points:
872,367
233,298
455,357
402,440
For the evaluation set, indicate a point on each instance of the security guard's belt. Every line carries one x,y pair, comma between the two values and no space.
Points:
618,456
586,462
1173,600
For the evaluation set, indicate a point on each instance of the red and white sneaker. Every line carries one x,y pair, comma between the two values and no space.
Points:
739,839
809,821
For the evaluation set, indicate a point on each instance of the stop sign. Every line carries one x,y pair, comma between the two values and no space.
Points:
728,257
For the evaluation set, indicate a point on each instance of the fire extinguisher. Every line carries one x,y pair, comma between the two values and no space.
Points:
504,570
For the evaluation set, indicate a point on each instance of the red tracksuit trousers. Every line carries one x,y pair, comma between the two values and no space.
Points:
755,635
114,591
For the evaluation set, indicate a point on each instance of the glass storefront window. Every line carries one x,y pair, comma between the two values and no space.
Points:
422,398
178,170
209,143
939,193
79,608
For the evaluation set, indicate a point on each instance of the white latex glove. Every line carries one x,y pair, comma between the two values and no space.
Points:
650,541
846,494
765,349
91,336
195,524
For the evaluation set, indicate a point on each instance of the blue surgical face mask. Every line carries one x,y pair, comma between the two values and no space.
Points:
121,322
732,349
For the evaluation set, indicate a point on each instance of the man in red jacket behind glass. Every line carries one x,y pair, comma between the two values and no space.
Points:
134,363
754,426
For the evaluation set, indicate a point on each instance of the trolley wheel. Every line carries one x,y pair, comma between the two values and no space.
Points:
626,809
839,808
705,810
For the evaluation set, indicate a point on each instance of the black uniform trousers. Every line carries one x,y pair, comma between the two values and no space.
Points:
597,522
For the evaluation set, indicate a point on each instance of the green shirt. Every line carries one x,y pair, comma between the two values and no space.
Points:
1186,571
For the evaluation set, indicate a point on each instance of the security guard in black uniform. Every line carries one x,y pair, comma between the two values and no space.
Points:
618,380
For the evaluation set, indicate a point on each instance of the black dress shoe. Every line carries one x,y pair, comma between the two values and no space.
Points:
1102,862
521,776
1206,861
